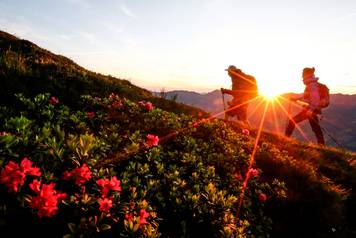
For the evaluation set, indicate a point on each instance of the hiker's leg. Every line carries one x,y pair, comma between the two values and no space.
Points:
226,116
235,112
244,116
292,122
243,112
314,123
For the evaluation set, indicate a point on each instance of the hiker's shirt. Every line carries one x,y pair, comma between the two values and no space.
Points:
311,95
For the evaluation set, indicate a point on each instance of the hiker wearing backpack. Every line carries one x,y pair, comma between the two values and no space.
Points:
317,97
244,88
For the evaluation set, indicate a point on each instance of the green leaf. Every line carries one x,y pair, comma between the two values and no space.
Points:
7,139
18,123
68,236
72,227
105,227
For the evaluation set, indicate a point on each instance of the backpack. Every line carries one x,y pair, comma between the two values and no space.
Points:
251,87
324,95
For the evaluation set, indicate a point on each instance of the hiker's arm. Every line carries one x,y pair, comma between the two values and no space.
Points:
297,97
227,91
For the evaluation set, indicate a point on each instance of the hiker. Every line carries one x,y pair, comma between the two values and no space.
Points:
312,96
244,88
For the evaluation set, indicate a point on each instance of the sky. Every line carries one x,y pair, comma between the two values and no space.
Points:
187,44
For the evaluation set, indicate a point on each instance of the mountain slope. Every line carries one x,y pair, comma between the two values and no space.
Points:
29,69
177,176
106,166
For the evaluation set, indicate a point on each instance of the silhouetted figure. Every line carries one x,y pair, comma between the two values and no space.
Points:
244,88
312,96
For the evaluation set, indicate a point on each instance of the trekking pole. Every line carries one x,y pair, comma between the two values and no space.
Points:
289,111
223,99
329,134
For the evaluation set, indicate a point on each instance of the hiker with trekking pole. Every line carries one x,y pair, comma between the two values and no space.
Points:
244,88
316,97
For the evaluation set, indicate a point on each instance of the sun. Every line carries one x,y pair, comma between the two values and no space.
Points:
270,93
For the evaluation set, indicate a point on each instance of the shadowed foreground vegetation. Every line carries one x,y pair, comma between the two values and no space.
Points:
165,175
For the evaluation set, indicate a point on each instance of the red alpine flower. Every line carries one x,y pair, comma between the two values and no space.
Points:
253,172
53,101
107,185
245,132
143,216
128,217
13,175
105,204
47,199
262,197
80,175
26,166
90,115
152,140
146,105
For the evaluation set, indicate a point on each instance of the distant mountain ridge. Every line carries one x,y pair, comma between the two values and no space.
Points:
339,119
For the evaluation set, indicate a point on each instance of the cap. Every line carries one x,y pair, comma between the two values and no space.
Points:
231,68
307,72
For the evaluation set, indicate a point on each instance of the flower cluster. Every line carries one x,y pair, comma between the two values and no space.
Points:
14,175
80,175
116,104
4,133
113,97
139,220
245,132
107,185
115,101
143,216
90,115
53,100
104,204
151,140
47,199
146,105
253,173
262,197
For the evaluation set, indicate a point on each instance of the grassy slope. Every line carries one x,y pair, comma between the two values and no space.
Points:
320,181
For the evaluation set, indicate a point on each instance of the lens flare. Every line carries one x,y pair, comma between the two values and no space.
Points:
270,92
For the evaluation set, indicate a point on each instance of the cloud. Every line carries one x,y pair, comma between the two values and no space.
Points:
65,37
15,27
20,28
88,37
117,29
127,11
343,18
82,3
